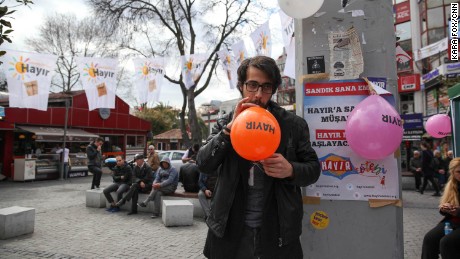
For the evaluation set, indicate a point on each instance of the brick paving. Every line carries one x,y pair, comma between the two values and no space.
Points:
66,228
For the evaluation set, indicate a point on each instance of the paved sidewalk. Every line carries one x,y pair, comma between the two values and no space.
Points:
66,228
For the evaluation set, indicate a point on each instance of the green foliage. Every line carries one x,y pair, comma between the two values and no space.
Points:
5,26
162,118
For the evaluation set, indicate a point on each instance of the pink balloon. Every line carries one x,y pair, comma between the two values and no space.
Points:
438,125
374,129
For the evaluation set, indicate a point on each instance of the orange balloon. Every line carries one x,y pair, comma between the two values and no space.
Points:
255,134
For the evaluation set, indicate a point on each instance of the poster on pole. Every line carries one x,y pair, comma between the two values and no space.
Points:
29,78
99,79
344,174
346,59
149,74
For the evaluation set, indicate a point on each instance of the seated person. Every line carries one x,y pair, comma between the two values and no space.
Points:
142,180
435,241
165,183
122,179
189,175
190,153
207,184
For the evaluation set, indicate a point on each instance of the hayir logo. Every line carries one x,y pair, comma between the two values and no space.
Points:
24,68
147,69
336,166
94,72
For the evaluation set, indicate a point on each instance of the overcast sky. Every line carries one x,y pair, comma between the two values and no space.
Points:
27,21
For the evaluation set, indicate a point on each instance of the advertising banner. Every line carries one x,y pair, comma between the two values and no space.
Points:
99,79
149,74
345,175
29,78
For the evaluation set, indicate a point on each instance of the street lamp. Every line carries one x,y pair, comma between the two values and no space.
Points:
62,174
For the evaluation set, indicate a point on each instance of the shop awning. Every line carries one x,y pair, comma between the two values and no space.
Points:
57,134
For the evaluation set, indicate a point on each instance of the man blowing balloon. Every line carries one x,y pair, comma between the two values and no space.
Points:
257,208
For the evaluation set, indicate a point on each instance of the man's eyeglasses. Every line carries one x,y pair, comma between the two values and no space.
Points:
150,148
119,160
253,86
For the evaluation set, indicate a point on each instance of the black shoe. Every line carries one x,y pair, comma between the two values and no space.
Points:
154,216
421,191
142,204
92,187
131,213
436,194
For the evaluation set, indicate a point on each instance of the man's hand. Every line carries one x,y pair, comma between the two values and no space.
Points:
242,105
208,193
156,186
277,166
122,177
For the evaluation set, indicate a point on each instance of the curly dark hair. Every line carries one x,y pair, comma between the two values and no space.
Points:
263,63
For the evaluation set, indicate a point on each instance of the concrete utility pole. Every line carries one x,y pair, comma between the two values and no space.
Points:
355,229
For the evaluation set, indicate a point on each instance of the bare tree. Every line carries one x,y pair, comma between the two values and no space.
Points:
176,24
66,36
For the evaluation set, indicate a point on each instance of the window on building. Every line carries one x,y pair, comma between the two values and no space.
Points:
434,16
403,31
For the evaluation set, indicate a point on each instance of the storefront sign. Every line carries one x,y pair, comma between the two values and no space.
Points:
413,135
78,174
402,12
430,76
412,121
410,83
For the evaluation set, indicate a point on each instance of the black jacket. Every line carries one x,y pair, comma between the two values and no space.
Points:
143,174
94,156
188,176
125,171
283,207
428,165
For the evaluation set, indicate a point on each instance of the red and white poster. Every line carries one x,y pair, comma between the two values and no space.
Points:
409,83
344,174
402,12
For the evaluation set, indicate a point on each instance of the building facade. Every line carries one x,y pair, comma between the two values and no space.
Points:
33,133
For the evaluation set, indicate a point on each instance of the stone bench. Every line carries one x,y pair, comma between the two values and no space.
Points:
177,213
16,221
96,199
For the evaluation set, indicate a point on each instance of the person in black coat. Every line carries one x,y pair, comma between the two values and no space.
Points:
257,209
122,179
428,169
189,175
93,152
142,182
